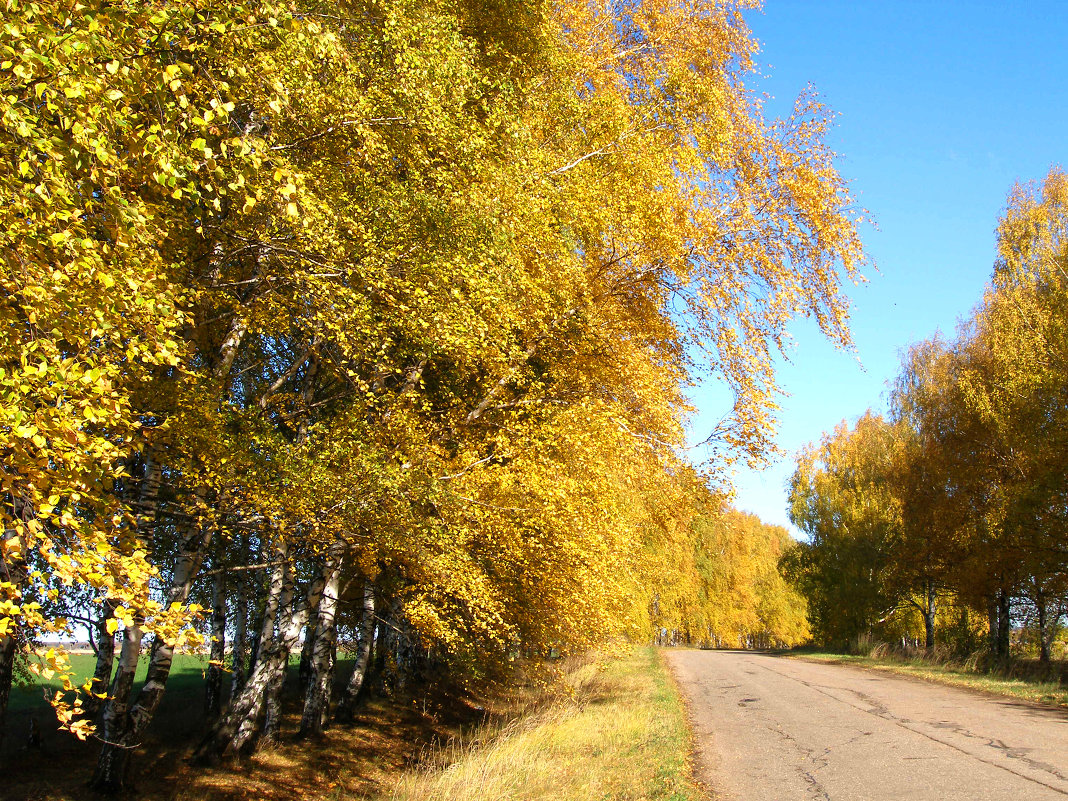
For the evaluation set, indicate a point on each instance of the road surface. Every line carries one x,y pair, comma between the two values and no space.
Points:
777,729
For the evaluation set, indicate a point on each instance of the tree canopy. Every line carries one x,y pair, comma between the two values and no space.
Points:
314,305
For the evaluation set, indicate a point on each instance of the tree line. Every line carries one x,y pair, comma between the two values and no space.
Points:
948,516
728,590
378,315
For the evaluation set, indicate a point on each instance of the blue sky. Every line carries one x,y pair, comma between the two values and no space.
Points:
942,107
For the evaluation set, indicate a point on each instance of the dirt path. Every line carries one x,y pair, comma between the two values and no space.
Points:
776,729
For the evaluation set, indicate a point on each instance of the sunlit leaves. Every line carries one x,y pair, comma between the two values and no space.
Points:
425,279
99,109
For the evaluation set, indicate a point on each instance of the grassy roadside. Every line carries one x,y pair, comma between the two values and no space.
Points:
612,730
618,731
1050,693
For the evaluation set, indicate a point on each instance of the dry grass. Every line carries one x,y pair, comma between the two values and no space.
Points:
616,732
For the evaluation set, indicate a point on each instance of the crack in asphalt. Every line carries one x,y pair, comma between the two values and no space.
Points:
880,710
815,788
1000,745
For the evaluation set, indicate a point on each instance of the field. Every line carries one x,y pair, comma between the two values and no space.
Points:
606,728
187,675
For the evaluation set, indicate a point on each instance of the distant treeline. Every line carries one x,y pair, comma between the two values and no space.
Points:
950,517
730,592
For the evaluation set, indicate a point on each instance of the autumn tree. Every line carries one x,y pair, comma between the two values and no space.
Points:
728,590
929,478
1014,385
383,301
979,422
842,499
101,129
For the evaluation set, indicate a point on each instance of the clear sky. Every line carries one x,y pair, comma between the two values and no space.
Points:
942,107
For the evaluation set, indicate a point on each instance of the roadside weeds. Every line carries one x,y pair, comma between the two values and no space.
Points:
617,732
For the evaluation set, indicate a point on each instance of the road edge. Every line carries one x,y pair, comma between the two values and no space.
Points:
700,785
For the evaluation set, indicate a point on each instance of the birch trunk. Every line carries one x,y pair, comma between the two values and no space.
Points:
992,626
146,502
310,377
321,668
237,660
128,726
233,732
347,705
229,347
395,639
213,686
272,710
1044,629
105,661
276,660
1003,626
111,767
310,635
245,709
929,614
269,677
110,775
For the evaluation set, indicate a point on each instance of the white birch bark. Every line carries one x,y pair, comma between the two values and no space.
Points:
321,673
110,774
234,731
347,705
214,683
238,661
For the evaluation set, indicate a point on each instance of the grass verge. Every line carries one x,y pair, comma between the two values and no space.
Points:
1043,692
616,731
612,729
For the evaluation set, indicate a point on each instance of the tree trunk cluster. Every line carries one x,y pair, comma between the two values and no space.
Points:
298,598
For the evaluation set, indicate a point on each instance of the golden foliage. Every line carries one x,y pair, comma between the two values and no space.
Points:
425,279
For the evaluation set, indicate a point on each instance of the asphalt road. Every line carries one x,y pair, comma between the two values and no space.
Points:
777,729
